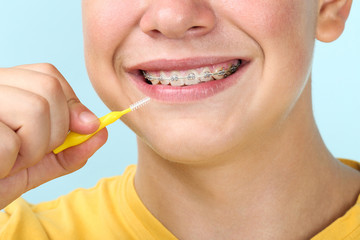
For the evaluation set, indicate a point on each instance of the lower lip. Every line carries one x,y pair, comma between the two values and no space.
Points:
167,93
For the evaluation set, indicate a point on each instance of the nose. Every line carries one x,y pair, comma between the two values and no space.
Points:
176,19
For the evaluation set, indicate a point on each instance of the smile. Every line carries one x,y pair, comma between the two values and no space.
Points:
187,80
192,76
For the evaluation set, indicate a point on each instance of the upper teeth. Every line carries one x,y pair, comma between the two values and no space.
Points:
191,77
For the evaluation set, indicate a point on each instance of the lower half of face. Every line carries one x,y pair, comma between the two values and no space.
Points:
215,90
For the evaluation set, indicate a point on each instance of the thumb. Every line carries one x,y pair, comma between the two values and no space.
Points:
82,120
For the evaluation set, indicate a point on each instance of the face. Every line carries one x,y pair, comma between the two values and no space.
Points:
220,73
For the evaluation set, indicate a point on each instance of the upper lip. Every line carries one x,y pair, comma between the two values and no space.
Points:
179,64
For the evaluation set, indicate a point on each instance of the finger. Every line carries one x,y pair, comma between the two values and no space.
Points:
12,187
30,120
68,161
50,70
50,167
47,87
9,149
82,120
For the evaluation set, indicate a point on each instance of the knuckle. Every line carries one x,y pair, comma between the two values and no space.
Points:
39,106
9,150
12,144
73,100
51,85
48,67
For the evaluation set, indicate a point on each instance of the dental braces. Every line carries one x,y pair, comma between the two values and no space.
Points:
191,76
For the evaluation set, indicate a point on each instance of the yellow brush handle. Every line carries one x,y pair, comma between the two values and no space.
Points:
74,139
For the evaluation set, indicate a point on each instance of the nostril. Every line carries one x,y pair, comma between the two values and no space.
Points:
154,33
177,18
197,31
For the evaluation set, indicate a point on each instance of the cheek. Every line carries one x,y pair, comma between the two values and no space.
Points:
107,23
276,25
284,30
273,18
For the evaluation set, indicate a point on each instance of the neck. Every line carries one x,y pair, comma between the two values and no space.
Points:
275,190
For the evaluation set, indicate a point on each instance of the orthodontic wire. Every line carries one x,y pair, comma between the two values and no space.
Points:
191,76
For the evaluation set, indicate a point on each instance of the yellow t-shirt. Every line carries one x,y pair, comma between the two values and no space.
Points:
113,210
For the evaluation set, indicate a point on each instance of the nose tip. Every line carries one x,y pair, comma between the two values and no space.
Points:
177,18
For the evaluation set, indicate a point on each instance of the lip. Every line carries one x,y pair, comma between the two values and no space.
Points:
171,94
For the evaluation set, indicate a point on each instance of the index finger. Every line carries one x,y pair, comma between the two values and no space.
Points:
49,69
82,120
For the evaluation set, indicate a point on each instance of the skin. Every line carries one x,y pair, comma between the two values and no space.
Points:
246,163
233,164
278,38
38,108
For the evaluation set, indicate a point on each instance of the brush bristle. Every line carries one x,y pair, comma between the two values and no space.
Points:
139,104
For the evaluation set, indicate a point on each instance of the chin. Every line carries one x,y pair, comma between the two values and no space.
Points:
189,153
186,146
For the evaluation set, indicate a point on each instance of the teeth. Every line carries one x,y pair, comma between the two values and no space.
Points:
154,81
233,68
206,75
219,73
163,79
175,80
191,77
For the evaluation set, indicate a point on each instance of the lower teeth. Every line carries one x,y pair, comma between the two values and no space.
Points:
191,78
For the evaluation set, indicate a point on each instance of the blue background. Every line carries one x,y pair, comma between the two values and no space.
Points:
50,31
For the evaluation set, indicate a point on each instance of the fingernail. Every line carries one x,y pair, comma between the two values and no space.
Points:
87,117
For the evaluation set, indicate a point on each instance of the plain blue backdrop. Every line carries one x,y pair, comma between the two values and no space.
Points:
50,31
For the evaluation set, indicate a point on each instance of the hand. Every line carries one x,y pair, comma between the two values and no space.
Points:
37,109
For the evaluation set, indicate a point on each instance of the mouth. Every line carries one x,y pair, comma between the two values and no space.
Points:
186,80
192,76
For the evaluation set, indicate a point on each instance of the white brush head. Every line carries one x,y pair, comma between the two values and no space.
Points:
139,104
